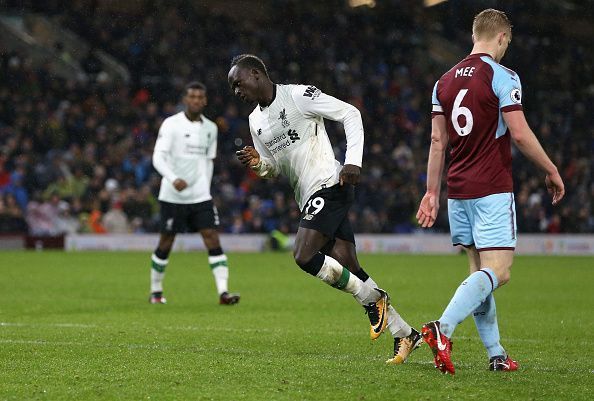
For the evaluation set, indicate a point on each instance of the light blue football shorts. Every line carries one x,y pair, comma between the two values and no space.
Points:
488,223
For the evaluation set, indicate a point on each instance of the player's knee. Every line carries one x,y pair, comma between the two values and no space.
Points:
503,275
309,263
299,254
301,258
211,239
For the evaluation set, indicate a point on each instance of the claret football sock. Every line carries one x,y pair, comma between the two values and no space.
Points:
470,294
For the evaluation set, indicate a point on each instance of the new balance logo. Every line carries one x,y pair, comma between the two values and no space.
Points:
293,135
312,92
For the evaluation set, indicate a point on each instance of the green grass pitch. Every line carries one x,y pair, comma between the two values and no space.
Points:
77,326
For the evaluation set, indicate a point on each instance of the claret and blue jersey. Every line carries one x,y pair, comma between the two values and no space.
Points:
472,96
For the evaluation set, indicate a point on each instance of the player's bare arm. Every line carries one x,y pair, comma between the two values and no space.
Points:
530,147
429,206
248,156
350,174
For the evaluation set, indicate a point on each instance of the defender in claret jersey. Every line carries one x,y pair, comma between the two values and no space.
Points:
477,107
287,128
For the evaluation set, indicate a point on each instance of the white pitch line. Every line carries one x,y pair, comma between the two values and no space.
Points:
73,325
87,344
242,330
226,329
39,342
520,340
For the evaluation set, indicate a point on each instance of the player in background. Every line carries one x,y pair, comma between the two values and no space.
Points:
289,136
477,106
185,148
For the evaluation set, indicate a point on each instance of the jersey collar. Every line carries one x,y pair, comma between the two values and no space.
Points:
272,100
198,120
476,55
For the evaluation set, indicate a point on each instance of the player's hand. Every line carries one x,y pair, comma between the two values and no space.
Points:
428,210
248,156
180,184
349,174
555,187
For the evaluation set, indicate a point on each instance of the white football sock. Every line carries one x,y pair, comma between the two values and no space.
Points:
157,273
220,271
370,282
336,275
396,324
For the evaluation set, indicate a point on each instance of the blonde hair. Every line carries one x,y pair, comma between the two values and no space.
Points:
489,23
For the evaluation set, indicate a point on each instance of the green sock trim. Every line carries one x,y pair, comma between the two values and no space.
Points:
217,264
157,267
343,280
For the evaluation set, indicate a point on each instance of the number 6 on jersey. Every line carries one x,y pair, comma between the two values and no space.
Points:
464,111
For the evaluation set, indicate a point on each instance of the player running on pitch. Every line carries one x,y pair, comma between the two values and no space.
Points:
477,106
289,136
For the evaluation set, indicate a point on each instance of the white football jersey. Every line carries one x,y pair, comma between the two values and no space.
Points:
185,149
291,138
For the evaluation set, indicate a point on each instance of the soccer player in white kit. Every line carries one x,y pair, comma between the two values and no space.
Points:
289,136
184,150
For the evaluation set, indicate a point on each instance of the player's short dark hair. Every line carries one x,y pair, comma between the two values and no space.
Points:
249,61
194,85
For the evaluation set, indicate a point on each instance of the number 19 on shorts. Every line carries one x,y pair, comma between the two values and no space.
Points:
316,203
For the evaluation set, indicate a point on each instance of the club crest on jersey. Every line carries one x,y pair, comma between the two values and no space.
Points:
283,117
516,95
312,92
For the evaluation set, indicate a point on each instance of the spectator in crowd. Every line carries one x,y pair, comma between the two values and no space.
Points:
71,137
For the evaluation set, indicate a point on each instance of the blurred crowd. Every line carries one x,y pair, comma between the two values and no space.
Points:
75,156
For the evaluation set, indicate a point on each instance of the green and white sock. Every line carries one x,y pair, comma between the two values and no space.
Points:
337,276
157,273
220,271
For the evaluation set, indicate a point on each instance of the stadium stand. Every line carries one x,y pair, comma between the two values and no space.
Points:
79,113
